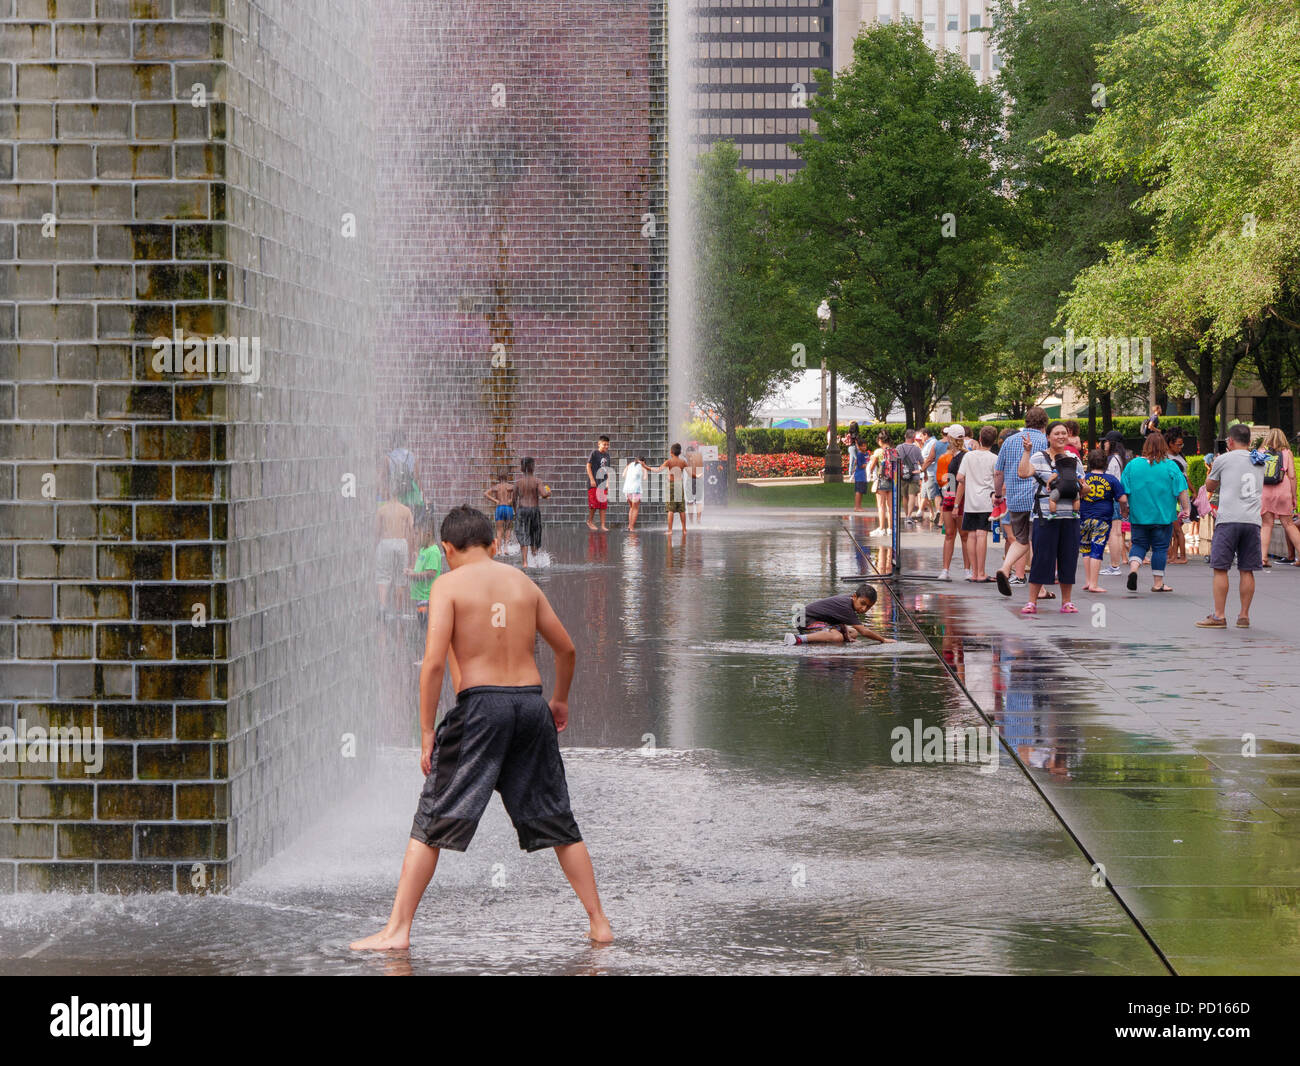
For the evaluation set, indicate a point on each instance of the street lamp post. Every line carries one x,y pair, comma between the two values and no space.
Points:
834,470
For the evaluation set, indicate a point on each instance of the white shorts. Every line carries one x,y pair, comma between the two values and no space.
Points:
390,562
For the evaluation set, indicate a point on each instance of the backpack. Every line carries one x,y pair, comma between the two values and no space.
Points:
887,463
1272,468
907,467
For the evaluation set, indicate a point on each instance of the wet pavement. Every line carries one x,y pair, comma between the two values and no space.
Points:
1171,752
745,804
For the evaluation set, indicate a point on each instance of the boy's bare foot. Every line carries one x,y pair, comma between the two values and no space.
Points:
600,932
591,525
385,941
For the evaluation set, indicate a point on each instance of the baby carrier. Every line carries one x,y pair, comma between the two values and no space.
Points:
1067,481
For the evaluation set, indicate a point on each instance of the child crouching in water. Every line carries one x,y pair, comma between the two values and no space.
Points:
501,735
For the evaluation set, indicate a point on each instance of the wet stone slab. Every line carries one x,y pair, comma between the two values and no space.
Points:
741,800
1170,751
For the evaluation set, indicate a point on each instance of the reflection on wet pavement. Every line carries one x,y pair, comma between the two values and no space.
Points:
738,796
1134,724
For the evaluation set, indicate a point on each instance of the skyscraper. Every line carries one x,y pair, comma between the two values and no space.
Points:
753,74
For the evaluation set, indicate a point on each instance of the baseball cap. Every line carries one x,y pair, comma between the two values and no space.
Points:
955,431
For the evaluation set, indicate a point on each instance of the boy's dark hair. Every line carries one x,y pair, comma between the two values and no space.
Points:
1096,459
603,437
466,527
1035,418
1072,427
988,434
866,592
1240,433
526,464
676,449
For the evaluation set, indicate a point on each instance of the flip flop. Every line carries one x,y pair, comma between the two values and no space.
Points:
1132,583
1004,585
1162,588
1029,608
982,580
1069,608
1045,595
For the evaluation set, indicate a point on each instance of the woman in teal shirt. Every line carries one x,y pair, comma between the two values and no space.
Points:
1157,494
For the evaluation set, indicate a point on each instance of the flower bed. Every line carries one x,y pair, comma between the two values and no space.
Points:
783,464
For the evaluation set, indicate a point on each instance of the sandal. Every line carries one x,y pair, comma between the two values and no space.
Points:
1069,608
1029,608
1162,588
1045,595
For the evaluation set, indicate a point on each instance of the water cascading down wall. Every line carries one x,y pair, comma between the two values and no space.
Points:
523,236
185,555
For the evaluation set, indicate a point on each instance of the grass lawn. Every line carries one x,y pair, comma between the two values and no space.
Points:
823,495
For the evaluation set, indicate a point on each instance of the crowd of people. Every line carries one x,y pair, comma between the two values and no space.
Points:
1051,502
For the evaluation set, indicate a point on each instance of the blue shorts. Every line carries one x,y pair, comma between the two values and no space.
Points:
505,513
1093,535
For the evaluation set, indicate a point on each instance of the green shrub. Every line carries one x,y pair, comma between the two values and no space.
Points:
1195,472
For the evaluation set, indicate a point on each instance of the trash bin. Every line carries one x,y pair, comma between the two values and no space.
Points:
713,481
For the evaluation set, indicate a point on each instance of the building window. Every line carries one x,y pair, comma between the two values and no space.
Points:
995,61
974,61
975,22
953,21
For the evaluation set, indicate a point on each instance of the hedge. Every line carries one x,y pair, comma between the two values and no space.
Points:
1195,473
760,441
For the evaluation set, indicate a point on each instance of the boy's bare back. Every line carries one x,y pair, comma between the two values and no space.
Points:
395,521
492,614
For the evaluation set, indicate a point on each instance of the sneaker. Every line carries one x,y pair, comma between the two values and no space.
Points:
969,574
791,639
1015,582
876,533
1109,571
943,575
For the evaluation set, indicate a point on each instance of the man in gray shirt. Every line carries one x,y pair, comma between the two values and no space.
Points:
1239,481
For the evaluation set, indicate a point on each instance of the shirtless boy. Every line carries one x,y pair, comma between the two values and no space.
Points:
529,493
501,735
676,495
502,497
394,553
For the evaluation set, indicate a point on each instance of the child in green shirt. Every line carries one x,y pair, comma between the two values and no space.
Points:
429,563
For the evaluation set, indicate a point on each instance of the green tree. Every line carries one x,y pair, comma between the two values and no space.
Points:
746,318
1060,220
893,219
1200,110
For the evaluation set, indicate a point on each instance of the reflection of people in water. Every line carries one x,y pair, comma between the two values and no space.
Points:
837,620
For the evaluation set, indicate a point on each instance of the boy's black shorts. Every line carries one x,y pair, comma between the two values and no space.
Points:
528,527
502,739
